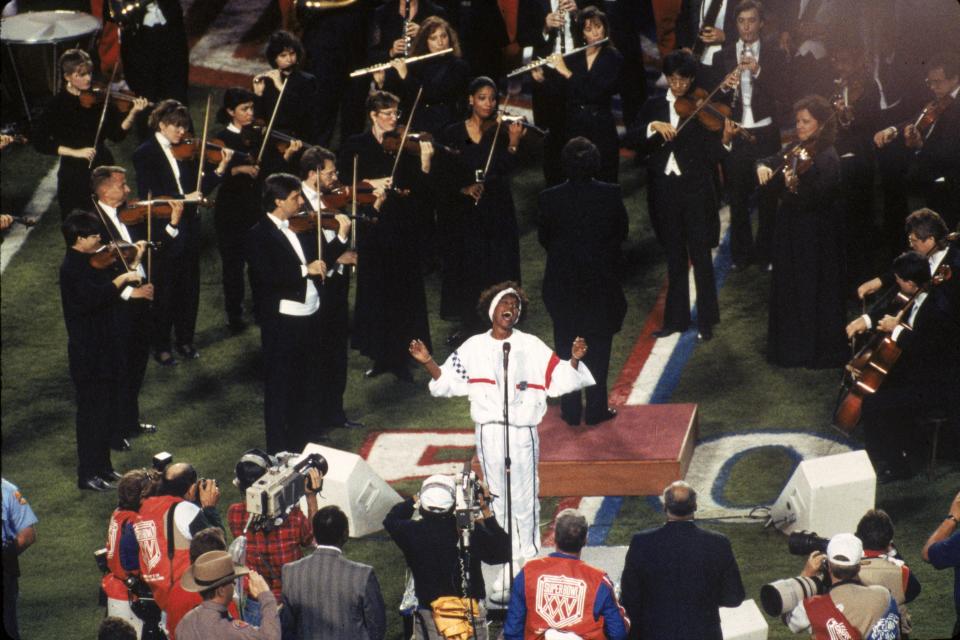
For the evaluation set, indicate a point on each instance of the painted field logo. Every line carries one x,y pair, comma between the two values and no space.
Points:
146,533
560,599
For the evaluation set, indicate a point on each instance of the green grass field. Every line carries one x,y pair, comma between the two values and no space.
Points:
210,410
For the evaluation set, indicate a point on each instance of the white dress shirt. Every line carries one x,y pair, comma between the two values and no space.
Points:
713,49
111,212
746,85
311,303
565,35
171,160
313,197
672,167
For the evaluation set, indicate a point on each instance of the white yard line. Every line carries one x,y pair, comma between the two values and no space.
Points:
39,203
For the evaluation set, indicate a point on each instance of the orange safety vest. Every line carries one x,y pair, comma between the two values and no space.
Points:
164,552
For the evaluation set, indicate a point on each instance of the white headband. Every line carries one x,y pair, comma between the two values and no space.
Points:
499,296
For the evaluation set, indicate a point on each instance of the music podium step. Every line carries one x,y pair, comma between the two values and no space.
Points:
638,453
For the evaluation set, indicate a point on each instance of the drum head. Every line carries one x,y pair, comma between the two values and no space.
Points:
47,27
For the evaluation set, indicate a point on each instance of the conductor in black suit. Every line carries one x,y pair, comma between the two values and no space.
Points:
677,576
681,195
289,278
582,225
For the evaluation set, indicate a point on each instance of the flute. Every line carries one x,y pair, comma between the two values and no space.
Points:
387,65
539,62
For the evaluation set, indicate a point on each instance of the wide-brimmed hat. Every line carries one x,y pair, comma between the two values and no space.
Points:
212,569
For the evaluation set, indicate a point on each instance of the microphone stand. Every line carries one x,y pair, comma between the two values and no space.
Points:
506,459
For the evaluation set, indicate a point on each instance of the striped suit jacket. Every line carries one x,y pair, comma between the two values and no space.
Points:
328,597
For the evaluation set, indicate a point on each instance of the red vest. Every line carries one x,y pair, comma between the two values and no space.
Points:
827,622
560,594
113,582
157,568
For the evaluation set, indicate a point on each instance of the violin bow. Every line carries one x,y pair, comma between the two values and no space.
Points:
353,211
103,114
149,234
273,117
403,138
705,101
493,148
106,225
319,223
203,146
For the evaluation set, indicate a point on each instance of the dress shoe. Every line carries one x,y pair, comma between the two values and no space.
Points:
351,424
705,335
374,371
667,331
187,351
146,427
120,445
93,483
165,359
570,420
609,414
109,475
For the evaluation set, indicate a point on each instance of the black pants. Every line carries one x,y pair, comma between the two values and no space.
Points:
857,179
233,261
156,63
96,410
334,347
11,592
893,161
598,361
134,328
742,184
891,424
176,298
292,380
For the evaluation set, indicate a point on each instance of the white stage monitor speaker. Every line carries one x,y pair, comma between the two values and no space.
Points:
826,495
353,486
744,622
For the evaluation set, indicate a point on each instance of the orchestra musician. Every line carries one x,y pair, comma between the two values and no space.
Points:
238,200
90,298
297,114
134,322
176,271
318,174
681,196
289,276
693,26
67,129
924,378
807,289
755,95
387,36
479,199
591,78
391,305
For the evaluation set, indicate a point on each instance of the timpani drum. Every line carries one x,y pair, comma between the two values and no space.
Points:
32,44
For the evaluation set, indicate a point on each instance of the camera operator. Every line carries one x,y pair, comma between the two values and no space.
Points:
433,551
882,565
168,522
268,546
123,553
849,609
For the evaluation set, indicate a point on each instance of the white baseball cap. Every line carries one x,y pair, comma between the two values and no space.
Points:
845,550
437,493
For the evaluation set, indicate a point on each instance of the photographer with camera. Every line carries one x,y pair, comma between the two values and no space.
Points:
269,545
181,602
444,549
168,521
848,609
882,565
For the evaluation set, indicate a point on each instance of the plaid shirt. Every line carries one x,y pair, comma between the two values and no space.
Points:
268,552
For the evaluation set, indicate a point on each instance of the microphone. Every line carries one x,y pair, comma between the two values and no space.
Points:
506,354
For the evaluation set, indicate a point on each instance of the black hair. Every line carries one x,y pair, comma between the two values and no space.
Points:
681,63
479,83
114,628
169,112
103,173
875,530
949,62
823,112
926,223
427,28
330,526
233,98
570,533
178,479
912,267
278,186
280,41
747,5
73,59
580,159
315,157
595,14
79,224
486,297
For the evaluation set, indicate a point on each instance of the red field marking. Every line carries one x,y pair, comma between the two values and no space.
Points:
621,389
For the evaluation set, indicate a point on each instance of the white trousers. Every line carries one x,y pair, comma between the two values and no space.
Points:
121,609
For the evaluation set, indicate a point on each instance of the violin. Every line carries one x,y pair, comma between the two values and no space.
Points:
930,113
111,253
280,139
712,115
190,148
842,106
95,96
507,119
306,221
342,195
411,144
135,211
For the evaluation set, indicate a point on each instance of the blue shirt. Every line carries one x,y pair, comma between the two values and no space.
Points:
945,554
17,514
605,605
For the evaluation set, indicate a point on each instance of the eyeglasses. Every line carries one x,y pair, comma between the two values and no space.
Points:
391,113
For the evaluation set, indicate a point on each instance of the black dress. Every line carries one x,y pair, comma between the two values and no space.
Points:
589,95
444,81
65,122
391,306
807,316
487,249
297,115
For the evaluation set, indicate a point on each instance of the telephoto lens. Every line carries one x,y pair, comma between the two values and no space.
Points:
803,543
782,596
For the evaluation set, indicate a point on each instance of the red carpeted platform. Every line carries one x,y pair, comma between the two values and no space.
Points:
638,453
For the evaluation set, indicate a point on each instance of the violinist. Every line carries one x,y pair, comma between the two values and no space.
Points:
134,321
444,79
926,376
177,270
68,129
238,200
297,113
681,196
591,78
90,300
755,93
483,239
935,137
288,274
807,289
318,171
391,305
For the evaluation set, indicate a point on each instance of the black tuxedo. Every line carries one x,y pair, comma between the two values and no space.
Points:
675,578
582,225
484,35
939,158
156,59
688,31
683,212
177,271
